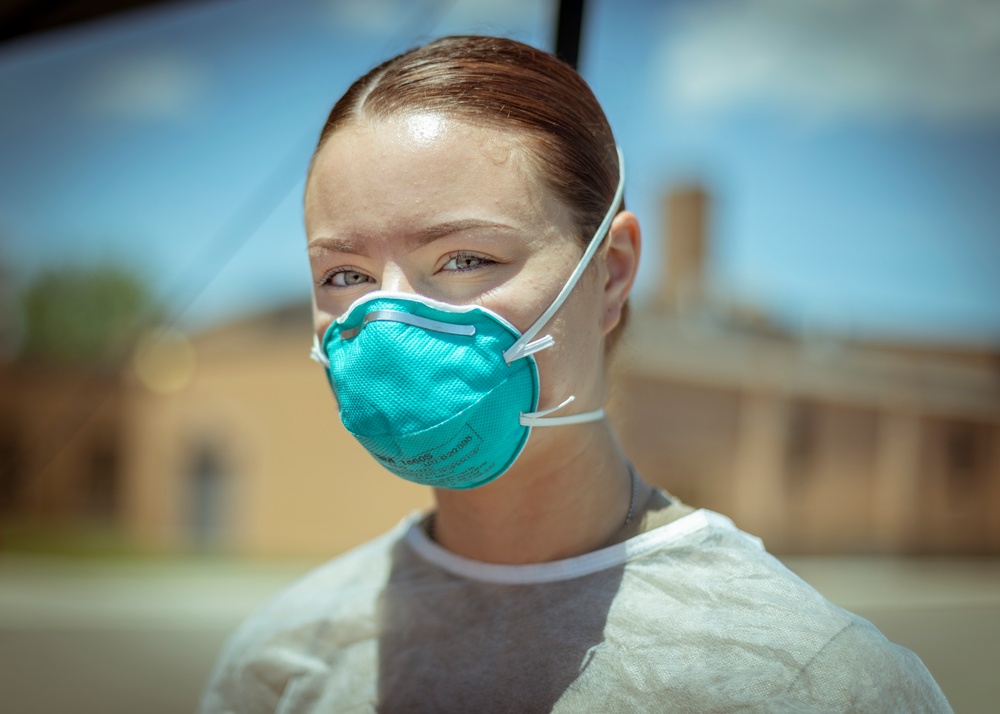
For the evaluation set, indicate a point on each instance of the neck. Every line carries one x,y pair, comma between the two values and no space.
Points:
557,501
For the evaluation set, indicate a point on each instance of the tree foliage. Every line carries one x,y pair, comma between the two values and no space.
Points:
83,316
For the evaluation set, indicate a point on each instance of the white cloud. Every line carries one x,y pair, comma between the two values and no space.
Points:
825,59
151,85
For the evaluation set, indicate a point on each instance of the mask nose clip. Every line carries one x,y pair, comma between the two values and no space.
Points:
409,319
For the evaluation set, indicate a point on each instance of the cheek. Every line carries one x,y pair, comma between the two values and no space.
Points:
523,299
528,293
574,364
321,320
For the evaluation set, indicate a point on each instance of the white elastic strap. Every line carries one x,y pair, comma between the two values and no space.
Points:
537,346
520,348
546,412
542,418
529,420
316,354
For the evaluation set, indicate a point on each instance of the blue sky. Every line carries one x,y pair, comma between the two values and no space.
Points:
852,148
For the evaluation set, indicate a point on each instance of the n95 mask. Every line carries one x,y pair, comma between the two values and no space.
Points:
444,395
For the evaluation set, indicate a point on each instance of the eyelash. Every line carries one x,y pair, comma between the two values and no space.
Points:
483,261
328,277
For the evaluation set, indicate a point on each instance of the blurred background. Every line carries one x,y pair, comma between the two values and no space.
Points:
814,349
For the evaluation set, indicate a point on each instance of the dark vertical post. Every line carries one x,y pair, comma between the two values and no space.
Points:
568,28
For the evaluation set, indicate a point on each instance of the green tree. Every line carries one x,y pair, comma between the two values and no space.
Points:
85,316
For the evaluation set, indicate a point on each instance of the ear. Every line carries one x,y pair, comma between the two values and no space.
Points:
619,261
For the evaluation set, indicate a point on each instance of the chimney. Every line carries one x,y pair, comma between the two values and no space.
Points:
685,218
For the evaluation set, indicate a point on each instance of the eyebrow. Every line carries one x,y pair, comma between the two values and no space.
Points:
335,245
416,240
431,234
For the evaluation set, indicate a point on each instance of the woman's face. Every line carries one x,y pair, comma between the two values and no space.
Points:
430,205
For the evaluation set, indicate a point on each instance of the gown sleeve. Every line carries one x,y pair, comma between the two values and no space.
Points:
859,670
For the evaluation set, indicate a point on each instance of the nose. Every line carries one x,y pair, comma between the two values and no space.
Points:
394,280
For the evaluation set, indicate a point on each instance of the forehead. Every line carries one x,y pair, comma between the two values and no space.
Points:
402,172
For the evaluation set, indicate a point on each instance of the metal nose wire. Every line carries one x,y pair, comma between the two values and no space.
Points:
409,319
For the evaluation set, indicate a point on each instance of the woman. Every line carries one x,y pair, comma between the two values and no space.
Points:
472,259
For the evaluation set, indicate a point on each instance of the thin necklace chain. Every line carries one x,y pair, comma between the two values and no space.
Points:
635,490
431,526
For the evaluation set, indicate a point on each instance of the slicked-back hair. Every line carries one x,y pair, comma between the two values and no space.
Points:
511,87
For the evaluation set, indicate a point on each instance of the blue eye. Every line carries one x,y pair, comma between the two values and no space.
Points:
466,261
347,278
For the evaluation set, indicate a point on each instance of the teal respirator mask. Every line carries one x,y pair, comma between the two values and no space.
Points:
444,395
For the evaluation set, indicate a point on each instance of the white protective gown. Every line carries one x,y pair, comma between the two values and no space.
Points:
693,616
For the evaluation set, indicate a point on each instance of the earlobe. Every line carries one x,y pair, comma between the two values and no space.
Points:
620,258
